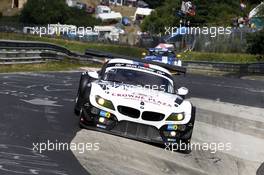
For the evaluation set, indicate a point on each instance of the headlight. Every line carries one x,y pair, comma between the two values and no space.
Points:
101,101
105,103
176,117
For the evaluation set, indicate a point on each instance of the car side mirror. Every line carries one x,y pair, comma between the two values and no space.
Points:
183,91
94,75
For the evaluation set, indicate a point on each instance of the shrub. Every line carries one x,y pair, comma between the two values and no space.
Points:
81,18
255,43
44,12
51,12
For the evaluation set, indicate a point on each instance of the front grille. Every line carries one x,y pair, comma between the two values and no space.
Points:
130,112
137,131
152,116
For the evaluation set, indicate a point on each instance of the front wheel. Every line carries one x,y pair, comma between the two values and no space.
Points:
185,146
84,80
185,143
77,111
77,108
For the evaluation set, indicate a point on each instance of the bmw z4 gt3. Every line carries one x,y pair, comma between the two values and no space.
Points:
136,100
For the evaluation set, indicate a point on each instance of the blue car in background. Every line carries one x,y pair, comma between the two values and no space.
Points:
126,21
163,55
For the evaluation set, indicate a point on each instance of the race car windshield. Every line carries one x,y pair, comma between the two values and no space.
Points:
161,53
139,78
167,54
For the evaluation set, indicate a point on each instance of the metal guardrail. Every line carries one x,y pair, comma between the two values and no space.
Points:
6,44
47,51
99,57
10,56
90,55
206,66
102,54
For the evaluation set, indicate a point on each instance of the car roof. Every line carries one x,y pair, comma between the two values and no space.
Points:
126,61
160,49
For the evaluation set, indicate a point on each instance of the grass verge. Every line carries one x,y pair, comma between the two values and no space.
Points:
134,51
220,57
77,45
65,65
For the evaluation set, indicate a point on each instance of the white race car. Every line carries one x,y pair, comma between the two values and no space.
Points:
137,100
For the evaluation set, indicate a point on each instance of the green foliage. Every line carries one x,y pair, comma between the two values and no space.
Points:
219,57
1,14
50,12
134,51
81,18
78,46
261,10
208,13
63,65
9,19
44,12
154,4
256,43
161,17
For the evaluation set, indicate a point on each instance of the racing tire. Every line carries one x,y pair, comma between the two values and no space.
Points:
260,170
187,149
187,141
81,126
84,80
193,115
80,121
77,110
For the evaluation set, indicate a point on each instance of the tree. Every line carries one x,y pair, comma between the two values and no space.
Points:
81,18
164,16
261,10
44,12
256,43
155,3
208,13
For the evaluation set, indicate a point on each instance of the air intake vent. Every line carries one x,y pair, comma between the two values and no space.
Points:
152,116
130,112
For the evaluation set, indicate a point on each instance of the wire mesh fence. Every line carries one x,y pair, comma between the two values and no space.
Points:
236,42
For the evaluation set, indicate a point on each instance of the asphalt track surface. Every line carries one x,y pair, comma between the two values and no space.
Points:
38,107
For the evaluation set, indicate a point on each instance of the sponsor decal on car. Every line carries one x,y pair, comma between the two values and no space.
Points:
144,98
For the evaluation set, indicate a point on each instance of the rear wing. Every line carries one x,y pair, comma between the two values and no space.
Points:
172,68
104,55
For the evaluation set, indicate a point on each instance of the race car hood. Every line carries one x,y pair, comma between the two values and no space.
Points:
133,96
